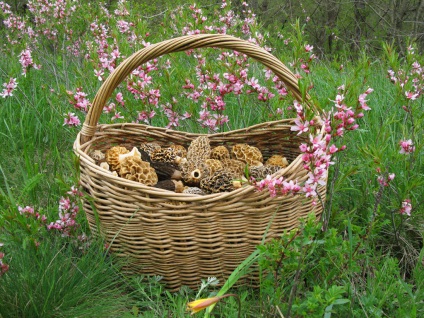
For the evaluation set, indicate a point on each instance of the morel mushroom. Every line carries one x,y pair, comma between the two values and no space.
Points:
220,153
214,165
199,149
112,157
179,150
195,168
97,155
220,181
248,154
133,168
149,147
260,172
235,167
194,171
277,160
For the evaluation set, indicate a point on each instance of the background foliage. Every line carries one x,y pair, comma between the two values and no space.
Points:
366,256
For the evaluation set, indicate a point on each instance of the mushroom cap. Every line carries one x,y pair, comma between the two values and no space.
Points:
199,149
194,171
220,153
235,167
112,157
277,160
97,155
163,155
179,150
246,153
220,181
214,165
133,168
149,147
260,172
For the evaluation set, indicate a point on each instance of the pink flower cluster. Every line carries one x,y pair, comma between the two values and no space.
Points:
79,100
406,147
384,179
9,88
317,152
345,116
3,266
68,210
277,186
71,120
29,211
406,207
25,58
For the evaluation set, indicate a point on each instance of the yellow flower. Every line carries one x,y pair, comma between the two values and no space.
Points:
200,304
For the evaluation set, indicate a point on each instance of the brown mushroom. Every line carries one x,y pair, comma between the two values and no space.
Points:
277,160
220,153
112,157
220,181
248,154
133,168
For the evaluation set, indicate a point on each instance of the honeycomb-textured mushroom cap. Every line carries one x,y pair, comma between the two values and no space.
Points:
149,147
163,155
214,165
247,154
194,171
260,172
235,167
97,155
199,149
112,157
277,160
220,181
220,153
179,150
133,168
193,190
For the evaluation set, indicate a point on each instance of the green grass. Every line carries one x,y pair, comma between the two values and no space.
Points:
370,255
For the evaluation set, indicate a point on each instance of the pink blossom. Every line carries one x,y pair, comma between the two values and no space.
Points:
117,116
28,210
300,126
3,267
406,146
411,95
26,61
120,99
99,74
71,120
310,190
308,48
9,88
406,207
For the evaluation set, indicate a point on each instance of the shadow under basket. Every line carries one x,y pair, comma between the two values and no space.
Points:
187,237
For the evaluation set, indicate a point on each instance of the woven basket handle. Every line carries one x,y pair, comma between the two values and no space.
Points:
184,43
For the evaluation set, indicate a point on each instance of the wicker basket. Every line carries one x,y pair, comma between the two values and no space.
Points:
185,237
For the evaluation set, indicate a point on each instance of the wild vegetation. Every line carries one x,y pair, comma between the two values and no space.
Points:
364,258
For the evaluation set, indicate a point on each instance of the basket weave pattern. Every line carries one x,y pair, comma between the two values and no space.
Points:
185,237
